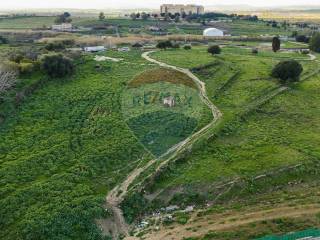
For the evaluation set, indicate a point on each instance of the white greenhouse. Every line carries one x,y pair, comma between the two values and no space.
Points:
213,32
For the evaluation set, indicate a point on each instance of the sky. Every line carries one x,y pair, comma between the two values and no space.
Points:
105,4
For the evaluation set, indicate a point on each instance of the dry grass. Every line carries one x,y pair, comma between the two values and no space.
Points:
162,75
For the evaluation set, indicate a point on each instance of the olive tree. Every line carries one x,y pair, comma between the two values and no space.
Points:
8,78
289,70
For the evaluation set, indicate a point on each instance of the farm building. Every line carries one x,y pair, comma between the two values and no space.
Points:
169,101
95,49
213,32
64,27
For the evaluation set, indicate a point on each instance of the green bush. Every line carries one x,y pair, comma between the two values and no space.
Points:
55,46
315,43
187,47
164,44
287,70
215,49
57,65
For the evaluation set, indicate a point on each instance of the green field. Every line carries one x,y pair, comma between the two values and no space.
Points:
63,149
254,138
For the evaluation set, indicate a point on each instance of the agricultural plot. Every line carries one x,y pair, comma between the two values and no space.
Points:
143,108
63,148
279,133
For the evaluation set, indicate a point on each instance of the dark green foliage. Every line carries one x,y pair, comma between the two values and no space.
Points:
315,43
276,44
56,65
55,46
164,44
134,206
3,40
187,47
63,18
287,70
215,49
302,38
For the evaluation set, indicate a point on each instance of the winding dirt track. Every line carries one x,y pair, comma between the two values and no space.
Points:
116,195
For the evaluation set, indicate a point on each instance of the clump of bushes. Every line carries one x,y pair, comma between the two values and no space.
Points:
215,49
187,47
315,43
3,40
57,65
289,70
164,44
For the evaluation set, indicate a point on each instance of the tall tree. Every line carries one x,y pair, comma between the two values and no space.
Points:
276,44
315,43
101,16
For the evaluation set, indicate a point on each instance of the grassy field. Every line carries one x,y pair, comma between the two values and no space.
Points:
276,134
143,108
63,148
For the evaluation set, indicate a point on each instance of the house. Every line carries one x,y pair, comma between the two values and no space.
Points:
95,49
213,32
64,27
169,101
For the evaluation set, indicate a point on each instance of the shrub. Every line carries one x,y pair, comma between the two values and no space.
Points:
215,49
276,44
55,46
315,43
302,38
26,67
187,47
164,44
57,65
287,70
3,40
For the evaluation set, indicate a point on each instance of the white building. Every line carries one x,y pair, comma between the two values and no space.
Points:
64,27
213,32
95,49
169,101
180,8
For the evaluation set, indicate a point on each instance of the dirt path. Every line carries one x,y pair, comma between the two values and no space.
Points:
117,225
216,222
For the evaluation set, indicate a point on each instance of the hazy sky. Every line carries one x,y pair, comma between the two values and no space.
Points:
96,4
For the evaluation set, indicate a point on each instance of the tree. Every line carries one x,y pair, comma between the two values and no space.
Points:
215,49
164,44
315,43
177,19
289,70
187,47
276,44
144,16
63,18
8,78
57,65
133,16
302,38
101,16
3,40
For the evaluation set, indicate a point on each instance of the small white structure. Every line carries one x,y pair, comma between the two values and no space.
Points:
64,27
213,32
124,49
95,49
169,101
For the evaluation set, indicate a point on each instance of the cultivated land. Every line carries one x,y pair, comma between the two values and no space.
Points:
95,154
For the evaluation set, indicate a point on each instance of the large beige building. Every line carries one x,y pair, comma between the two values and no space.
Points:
180,8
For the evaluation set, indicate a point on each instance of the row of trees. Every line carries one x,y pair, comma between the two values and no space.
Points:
63,18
